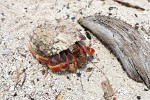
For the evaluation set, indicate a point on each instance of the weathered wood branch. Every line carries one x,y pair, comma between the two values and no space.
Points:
129,45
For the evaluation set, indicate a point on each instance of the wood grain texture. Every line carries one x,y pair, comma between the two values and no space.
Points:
127,44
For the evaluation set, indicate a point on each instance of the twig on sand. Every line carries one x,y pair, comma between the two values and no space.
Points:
18,74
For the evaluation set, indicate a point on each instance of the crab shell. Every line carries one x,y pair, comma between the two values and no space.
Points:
47,39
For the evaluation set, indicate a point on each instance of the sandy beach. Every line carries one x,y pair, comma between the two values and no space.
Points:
22,77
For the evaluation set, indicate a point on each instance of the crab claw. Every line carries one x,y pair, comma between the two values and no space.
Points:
87,49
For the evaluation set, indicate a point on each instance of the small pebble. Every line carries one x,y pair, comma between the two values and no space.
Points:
53,88
145,89
2,14
135,15
73,18
67,6
68,77
69,88
37,79
15,94
2,19
78,74
89,69
139,97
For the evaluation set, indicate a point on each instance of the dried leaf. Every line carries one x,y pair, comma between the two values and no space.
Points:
59,97
108,90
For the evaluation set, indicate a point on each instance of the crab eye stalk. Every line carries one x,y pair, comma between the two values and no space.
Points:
88,35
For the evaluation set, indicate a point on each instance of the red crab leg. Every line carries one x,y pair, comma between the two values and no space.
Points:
83,54
63,64
87,49
38,57
72,61
69,63
57,67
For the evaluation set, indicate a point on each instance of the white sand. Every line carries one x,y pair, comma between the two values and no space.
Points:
19,16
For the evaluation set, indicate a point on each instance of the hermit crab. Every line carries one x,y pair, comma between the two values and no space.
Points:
60,46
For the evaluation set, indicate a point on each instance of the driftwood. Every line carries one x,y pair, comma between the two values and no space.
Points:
127,44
